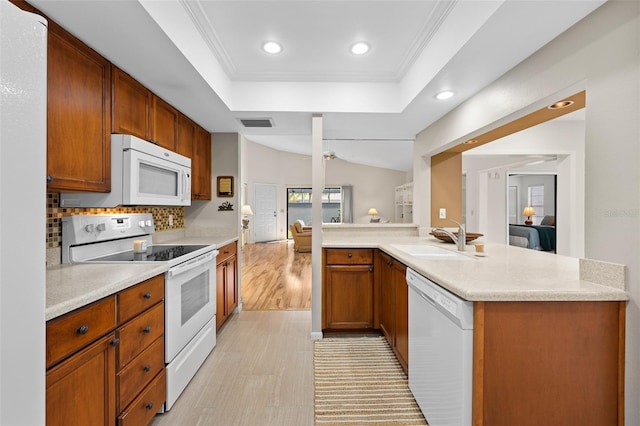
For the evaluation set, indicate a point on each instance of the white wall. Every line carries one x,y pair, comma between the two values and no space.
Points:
599,54
204,214
372,186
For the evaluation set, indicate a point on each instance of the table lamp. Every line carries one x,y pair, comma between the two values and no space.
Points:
528,211
245,211
373,212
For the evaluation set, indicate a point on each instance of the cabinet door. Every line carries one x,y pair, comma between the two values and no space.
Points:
186,137
401,344
349,297
231,288
201,166
78,115
132,106
165,124
387,297
81,390
220,295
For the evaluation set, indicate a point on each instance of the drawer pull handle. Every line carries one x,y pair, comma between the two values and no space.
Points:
149,406
147,368
349,255
83,329
147,296
147,329
115,342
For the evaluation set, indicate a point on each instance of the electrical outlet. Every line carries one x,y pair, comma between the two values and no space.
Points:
171,221
443,213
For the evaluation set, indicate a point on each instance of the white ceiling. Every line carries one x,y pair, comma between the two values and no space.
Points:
205,58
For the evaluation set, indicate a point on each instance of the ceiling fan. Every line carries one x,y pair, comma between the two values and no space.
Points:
329,155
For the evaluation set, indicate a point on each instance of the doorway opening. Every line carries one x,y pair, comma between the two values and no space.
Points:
532,201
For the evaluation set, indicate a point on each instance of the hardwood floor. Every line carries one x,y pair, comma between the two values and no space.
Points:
274,277
260,373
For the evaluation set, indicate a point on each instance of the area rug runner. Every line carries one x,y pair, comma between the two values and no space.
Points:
358,381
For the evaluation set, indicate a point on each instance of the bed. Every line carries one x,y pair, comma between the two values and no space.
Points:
536,237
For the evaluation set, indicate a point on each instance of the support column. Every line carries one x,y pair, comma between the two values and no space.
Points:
317,185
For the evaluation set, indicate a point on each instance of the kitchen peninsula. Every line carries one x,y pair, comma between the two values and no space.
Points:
548,346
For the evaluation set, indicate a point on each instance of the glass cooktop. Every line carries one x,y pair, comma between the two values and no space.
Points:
154,253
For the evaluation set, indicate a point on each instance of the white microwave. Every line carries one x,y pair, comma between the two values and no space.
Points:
142,174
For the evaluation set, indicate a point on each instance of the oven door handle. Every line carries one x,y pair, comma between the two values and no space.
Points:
193,263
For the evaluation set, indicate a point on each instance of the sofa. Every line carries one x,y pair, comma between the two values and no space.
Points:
301,236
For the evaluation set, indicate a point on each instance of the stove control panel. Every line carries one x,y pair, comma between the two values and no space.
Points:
83,229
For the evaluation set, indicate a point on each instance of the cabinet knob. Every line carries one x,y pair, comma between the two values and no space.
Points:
147,329
370,268
147,295
149,406
82,329
115,342
349,255
147,368
49,178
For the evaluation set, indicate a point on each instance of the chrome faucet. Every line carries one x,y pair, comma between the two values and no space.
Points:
461,240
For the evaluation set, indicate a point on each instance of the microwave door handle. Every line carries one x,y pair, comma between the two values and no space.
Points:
183,196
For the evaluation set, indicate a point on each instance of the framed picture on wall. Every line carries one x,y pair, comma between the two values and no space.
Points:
225,186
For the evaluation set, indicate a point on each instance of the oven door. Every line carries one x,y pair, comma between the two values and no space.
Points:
190,301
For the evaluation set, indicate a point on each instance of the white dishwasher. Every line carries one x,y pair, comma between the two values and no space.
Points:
440,352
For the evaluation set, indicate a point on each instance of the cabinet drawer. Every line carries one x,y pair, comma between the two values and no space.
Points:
225,252
139,298
77,329
139,333
145,406
135,376
349,256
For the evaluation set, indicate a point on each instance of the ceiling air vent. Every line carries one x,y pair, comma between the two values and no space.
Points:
256,122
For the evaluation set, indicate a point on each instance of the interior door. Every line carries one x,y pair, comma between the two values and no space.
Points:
266,214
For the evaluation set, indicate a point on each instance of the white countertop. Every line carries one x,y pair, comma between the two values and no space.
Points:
506,273
72,286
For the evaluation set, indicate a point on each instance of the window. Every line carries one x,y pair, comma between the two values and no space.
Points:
536,200
299,205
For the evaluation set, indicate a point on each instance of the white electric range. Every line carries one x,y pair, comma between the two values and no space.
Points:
190,283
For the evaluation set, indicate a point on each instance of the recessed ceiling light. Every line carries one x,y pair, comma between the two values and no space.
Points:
444,95
360,48
560,105
471,142
272,47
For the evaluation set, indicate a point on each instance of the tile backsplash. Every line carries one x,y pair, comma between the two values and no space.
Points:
55,214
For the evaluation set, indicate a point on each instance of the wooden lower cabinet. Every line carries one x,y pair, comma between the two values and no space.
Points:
81,390
101,370
348,290
401,343
226,282
552,363
386,284
394,304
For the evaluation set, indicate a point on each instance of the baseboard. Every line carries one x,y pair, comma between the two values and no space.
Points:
316,335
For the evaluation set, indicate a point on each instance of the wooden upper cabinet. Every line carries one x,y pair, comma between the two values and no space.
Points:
165,124
201,166
132,105
78,115
186,136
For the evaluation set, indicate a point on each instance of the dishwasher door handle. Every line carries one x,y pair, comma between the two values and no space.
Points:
427,298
